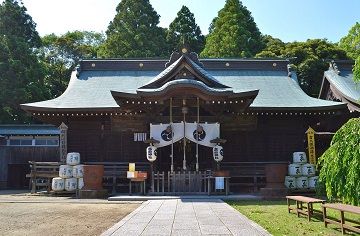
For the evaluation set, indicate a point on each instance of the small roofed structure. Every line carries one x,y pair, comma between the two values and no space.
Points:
339,85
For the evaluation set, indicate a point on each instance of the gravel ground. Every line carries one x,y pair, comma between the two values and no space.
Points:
25,214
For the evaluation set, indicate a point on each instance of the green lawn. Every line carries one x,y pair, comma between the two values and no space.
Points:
274,217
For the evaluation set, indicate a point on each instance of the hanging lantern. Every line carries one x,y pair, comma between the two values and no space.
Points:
218,153
151,153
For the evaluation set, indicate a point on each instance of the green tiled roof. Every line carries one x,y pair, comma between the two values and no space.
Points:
345,84
91,90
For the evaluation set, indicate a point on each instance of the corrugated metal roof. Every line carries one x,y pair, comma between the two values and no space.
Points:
28,130
92,89
344,82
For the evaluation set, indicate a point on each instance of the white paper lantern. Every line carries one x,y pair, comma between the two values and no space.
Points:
151,153
218,153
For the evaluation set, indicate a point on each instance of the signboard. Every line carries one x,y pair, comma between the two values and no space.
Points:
63,142
311,145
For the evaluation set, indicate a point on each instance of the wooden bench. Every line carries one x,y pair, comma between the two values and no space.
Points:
300,209
342,208
41,174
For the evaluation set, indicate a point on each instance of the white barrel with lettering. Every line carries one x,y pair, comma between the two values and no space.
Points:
58,184
78,171
80,184
313,181
294,169
290,182
65,171
302,182
299,157
308,169
73,158
71,184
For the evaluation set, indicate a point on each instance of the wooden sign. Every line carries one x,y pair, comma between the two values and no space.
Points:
311,145
63,142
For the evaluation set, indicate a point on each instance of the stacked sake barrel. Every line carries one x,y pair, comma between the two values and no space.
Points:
70,175
301,173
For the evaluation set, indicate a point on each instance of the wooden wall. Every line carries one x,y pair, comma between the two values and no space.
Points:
14,163
262,138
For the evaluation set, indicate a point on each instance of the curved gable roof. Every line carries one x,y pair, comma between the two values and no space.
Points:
91,88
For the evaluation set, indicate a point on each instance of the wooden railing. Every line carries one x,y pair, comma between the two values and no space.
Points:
247,174
41,174
180,182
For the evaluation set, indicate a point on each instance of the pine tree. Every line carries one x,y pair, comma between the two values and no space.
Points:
184,31
134,32
233,33
20,72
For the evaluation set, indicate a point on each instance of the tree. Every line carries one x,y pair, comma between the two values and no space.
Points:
351,44
21,75
61,54
233,33
341,164
184,31
307,58
273,47
134,32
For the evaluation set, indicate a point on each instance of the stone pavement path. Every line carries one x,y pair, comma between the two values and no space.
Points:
185,217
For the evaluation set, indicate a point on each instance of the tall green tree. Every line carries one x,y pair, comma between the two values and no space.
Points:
21,75
61,54
307,58
351,44
134,32
341,164
233,33
184,31
274,47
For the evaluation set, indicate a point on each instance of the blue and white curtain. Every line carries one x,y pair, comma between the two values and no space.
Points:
167,133
202,133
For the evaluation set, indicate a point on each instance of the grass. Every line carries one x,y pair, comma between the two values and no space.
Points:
274,217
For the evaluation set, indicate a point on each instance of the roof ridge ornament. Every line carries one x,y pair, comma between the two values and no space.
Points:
186,53
334,66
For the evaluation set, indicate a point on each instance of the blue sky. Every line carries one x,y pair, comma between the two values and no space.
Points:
284,19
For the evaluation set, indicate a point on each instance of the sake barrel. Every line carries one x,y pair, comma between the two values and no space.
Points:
302,182
70,184
65,171
80,184
294,169
299,157
73,158
78,171
290,182
308,169
58,184
313,181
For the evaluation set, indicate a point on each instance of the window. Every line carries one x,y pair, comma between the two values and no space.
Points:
33,141
20,141
46,141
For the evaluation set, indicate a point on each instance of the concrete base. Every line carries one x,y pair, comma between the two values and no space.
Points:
274,193
92,194
206,197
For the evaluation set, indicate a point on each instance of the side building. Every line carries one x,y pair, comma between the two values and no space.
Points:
339,85
20,144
